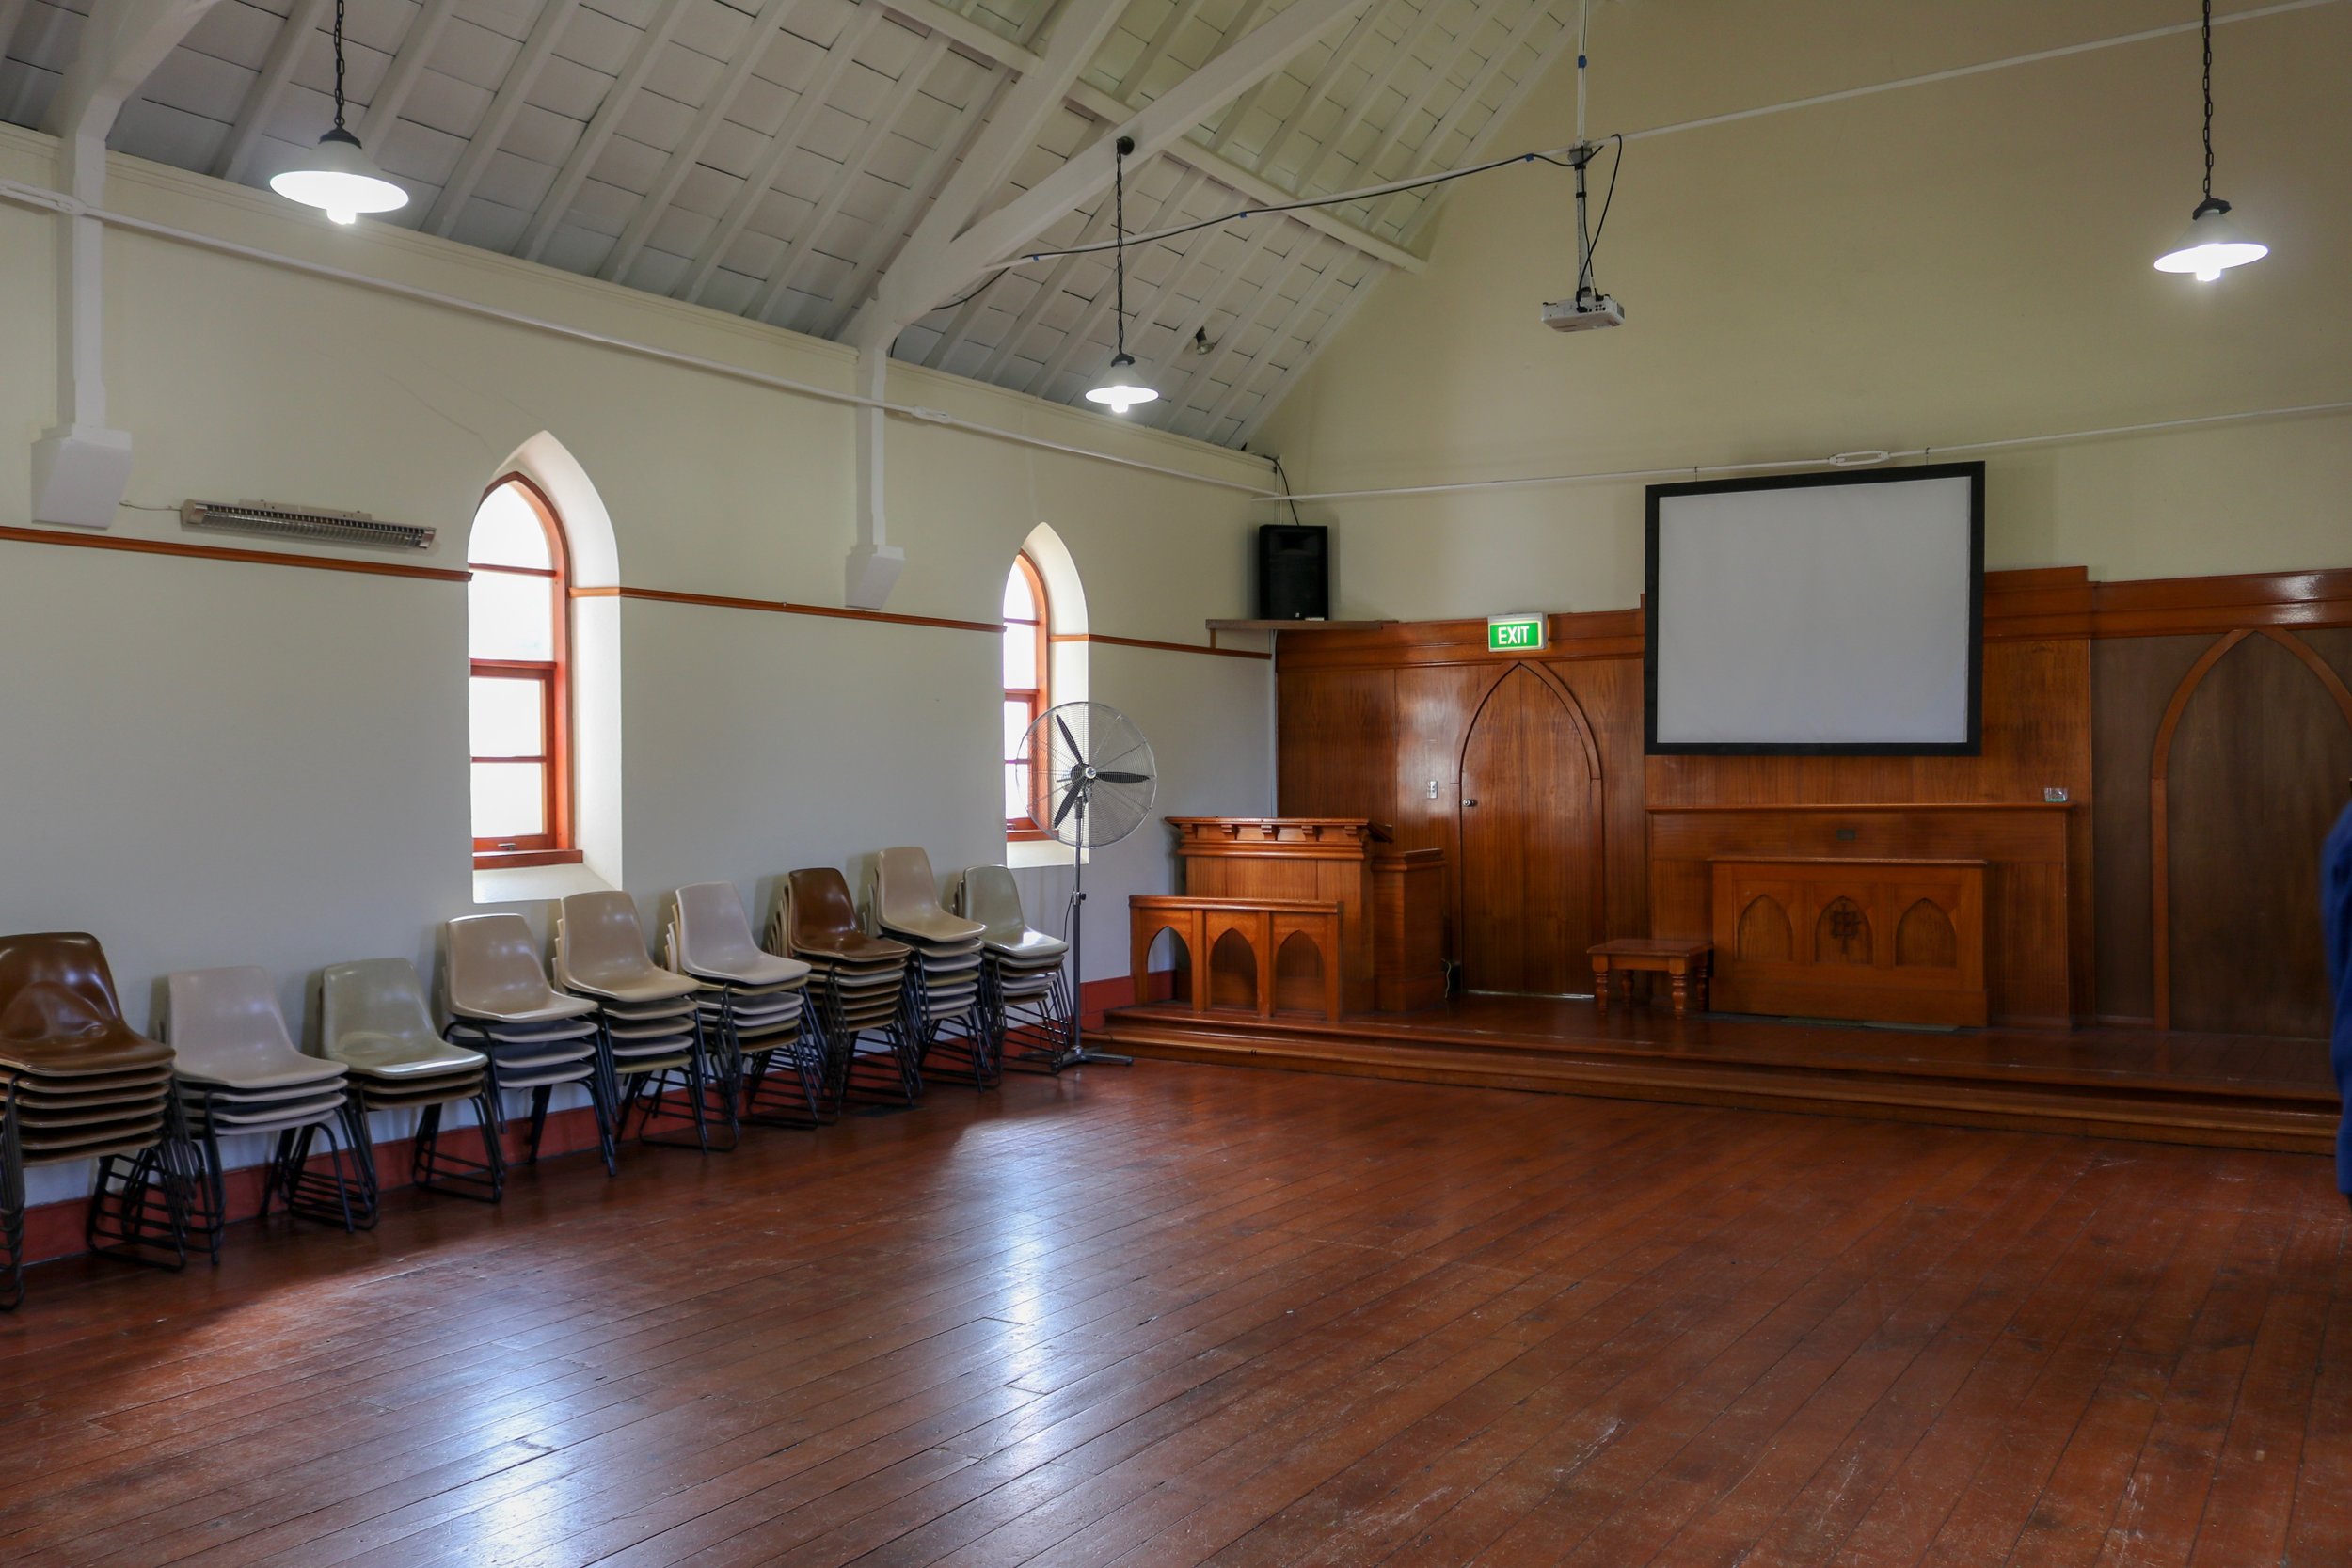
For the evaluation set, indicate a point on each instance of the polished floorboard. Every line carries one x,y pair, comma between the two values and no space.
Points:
1185,1314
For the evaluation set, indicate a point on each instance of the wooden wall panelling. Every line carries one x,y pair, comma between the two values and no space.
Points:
2132,680
1608,693
2247,774
1433,707
1336,756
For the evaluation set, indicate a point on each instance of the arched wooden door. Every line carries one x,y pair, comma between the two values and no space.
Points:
1531,842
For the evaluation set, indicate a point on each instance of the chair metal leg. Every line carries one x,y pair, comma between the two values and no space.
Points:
11,1207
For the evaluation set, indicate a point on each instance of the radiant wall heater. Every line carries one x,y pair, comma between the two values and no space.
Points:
287,522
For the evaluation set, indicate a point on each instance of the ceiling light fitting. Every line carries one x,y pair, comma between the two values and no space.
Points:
1120,391
338,176
2213,243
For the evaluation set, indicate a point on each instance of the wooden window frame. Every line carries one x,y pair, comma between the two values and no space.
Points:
556,845
1040,698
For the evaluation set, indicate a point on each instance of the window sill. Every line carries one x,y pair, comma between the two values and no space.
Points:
525,884
513,859
1022,851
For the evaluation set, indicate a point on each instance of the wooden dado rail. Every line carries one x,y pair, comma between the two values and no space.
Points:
1256,955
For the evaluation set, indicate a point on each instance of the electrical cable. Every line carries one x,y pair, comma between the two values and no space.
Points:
1282,476
1591,250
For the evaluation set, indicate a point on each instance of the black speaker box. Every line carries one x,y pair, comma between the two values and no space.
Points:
1294,571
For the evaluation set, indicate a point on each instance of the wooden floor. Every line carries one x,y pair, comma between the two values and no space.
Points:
2229,1091
1190,1314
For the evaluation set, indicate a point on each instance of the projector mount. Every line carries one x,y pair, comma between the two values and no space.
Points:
1589,308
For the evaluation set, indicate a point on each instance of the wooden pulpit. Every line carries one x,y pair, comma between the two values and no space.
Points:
1264,897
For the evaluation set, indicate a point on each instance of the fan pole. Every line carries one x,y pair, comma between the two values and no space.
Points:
1078,1055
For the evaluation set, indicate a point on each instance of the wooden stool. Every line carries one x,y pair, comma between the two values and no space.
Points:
1683,960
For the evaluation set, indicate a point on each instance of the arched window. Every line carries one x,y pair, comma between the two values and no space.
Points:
518,635
1027,686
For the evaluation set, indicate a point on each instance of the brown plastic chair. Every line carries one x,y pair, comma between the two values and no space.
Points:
862,988
78,1083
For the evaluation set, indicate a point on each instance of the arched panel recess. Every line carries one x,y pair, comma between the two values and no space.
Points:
1764,934
1531,838
2247,770
1232,972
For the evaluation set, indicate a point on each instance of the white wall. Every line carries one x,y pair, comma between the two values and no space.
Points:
215,762
1960,261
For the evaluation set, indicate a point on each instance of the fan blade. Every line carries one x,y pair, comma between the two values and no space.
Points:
1074,750
1067,801
1124,778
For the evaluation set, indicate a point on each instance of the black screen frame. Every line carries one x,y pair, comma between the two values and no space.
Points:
1973,746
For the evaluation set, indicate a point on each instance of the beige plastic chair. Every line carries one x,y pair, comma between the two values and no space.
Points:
714,941
239,1072
495,996
754,1008
374,1020
652,1026
906,901
492,969
990,896
1026,993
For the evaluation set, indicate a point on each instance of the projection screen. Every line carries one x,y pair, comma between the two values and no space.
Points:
1823,613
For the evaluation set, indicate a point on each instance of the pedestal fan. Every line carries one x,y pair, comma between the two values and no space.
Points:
1091,784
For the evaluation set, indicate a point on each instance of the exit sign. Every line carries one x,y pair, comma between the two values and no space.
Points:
1513,634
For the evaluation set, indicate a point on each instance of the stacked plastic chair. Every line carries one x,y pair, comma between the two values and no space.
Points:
240,1076
945,1008
498,1001
77,1084
372,1019
653,1034
769,1043
1023,983
861,984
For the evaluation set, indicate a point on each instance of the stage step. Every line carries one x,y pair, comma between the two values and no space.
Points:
2151,1108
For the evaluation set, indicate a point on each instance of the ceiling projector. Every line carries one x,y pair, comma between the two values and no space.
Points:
1587,310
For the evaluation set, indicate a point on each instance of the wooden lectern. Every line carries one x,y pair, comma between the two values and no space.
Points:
1301,913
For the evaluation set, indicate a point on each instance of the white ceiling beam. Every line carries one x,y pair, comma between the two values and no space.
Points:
1422,218
1368,170
504,106
755,43
920,190
1272,397
1078,33
121,44
1112,109
1176,389
1371,93
268,87
1431,153
1280,333
1140,304
828,205
1155,48
416,48
643,55
11,15
1047,291
1339,59
906,294
764,175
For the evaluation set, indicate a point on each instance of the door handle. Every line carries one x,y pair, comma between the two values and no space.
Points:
1469,803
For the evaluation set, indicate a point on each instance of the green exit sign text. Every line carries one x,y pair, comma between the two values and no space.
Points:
1513,634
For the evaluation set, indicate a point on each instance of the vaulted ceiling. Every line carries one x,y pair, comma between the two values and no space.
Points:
772,157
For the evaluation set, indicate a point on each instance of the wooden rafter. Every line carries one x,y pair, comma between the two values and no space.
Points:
919,192
1141,302
756,39
268,86
500,118
597,133
416,48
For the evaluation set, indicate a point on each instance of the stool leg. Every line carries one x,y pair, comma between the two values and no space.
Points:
1683,992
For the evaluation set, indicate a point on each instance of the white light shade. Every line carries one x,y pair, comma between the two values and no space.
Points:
340,178
2212,244
1117,393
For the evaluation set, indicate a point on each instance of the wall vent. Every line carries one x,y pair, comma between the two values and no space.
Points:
287,522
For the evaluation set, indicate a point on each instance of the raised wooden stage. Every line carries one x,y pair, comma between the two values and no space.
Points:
2228,1091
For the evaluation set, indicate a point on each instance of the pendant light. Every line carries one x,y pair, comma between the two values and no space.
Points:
1120,391
338,175
2212,241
